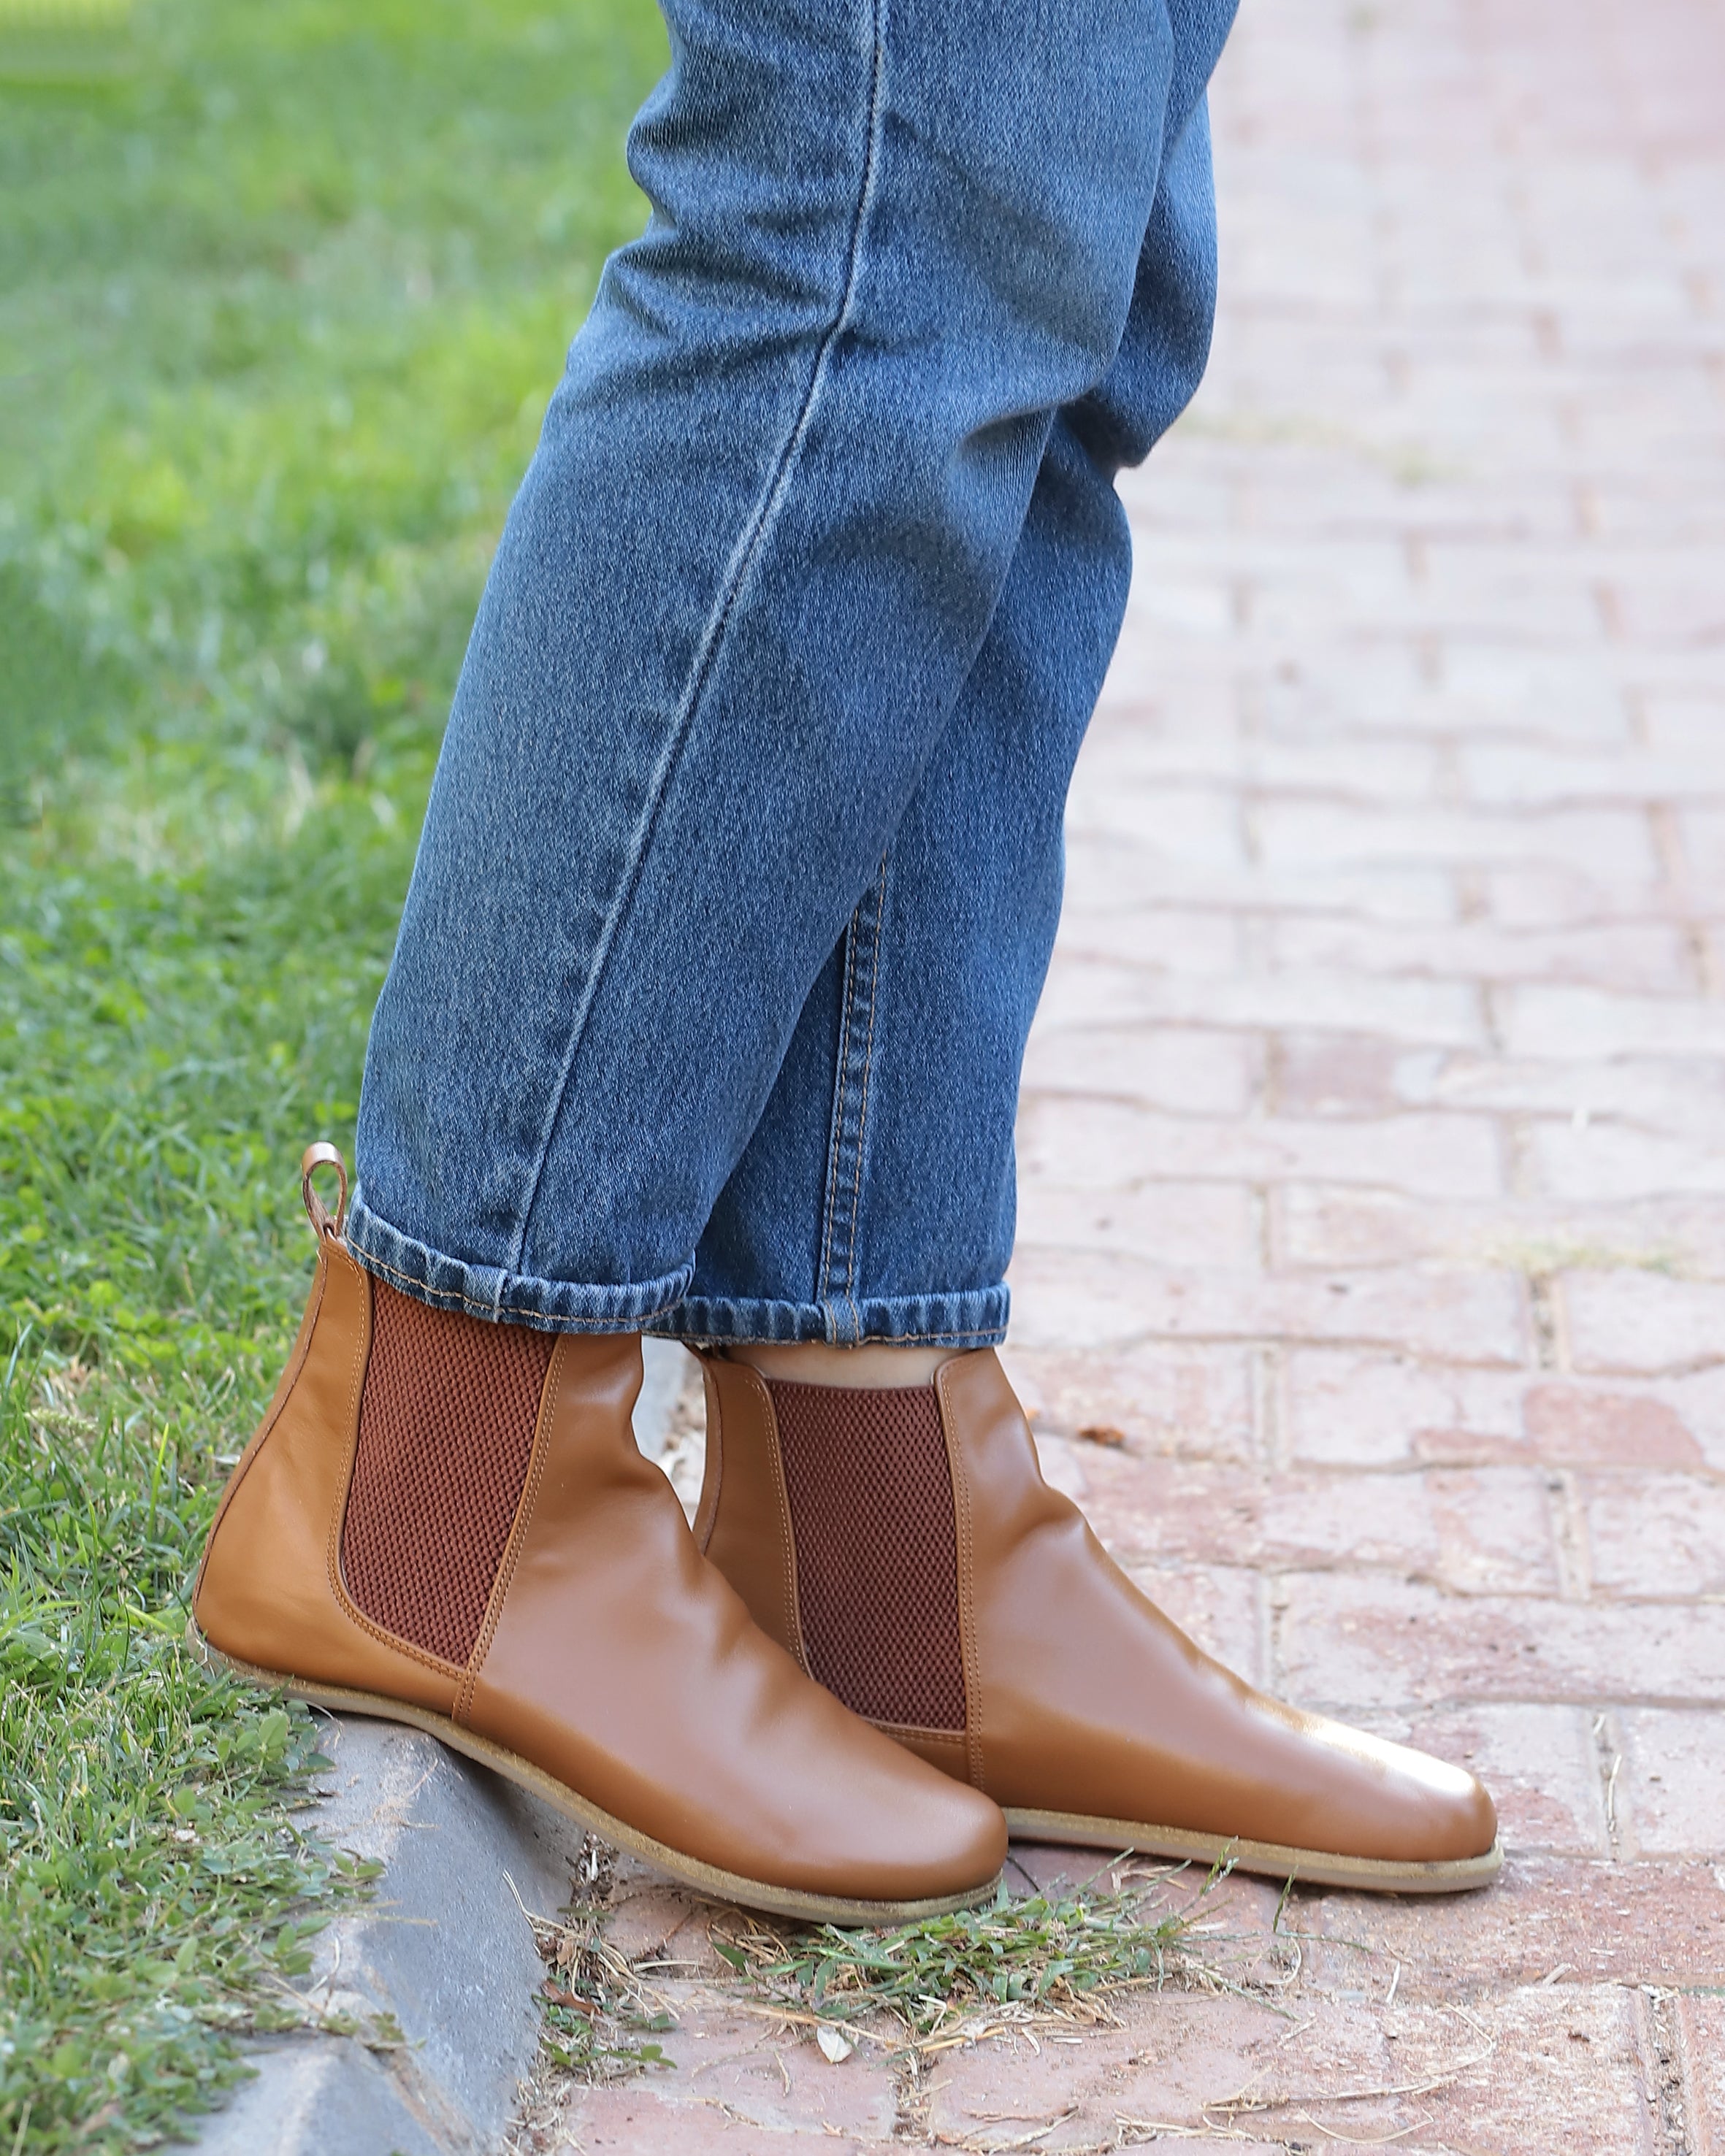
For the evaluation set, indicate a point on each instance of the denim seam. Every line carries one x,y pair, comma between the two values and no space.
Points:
446,1298
874,941
863,946
898,1339
838,1092
744,556
971,1317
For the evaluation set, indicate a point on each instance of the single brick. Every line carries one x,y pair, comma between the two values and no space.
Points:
1349,1641
1644,1322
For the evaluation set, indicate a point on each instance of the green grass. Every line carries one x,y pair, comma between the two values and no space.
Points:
1061,1955
598,2016
283,290
1066,1954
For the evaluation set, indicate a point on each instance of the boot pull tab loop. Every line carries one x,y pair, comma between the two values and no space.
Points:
323,1154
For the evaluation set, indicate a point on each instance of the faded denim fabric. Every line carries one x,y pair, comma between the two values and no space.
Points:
743,858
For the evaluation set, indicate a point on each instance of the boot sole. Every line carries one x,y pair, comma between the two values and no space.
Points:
707,1879
1312,1867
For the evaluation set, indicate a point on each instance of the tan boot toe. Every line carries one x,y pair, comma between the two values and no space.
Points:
904,1546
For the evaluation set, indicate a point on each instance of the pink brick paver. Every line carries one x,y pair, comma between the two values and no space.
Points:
1373,1142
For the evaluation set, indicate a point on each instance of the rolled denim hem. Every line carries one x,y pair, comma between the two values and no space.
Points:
505,1298
976,1318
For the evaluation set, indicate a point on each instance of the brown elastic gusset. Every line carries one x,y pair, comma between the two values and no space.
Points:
445,1429
870,1489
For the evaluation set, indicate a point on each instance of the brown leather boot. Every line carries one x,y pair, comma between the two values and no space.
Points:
904,1546
448,1522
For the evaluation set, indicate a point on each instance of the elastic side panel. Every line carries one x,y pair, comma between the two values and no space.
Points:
877,1549
445,1430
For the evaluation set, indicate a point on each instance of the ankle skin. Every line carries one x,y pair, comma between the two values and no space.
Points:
874,1365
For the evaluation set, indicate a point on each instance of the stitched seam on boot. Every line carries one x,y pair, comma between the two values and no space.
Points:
966,1577
517,1535
713,1465
953,1736
787,1546
260,1437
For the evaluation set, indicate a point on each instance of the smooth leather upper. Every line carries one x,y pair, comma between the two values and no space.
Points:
1093,1702
612,1656
270,1590
748,1537
1082,1698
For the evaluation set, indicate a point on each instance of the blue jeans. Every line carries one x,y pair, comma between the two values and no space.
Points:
742,861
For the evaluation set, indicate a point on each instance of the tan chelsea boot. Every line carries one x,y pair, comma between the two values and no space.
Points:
447,1522
904,1546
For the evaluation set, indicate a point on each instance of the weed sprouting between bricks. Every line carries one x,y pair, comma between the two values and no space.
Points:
1064,1954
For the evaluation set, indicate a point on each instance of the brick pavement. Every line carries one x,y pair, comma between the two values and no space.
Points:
1373,1140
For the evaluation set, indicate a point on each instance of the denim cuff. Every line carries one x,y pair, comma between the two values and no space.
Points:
977,1318
504,1297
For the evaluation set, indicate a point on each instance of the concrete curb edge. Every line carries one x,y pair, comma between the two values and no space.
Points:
443,1948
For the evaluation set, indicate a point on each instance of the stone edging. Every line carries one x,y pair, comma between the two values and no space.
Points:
443,1947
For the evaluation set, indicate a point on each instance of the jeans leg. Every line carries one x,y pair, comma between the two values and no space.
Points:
775,498
876,1198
